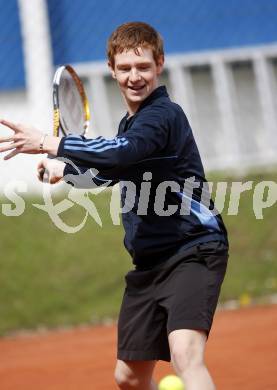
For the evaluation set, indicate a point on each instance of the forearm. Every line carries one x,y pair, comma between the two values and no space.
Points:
80,152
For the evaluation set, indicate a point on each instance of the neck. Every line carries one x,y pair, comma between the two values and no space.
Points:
132,108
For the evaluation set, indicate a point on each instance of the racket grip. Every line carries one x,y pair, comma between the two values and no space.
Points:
41,171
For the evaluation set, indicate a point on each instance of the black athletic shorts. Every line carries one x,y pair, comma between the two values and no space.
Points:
181,293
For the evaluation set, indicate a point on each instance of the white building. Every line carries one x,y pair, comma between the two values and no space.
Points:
221,67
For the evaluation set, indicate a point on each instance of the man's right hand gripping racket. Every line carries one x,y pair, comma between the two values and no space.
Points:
70,103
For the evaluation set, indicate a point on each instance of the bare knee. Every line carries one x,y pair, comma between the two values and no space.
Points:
184,360
133,375
187,353
126,381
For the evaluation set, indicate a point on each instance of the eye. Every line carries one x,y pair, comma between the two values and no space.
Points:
124,69
144,67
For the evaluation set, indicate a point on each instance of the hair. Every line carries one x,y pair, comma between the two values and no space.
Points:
133,35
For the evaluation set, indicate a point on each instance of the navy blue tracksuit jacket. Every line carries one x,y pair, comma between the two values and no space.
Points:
153,156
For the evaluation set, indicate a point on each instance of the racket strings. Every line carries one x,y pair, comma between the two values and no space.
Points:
72,115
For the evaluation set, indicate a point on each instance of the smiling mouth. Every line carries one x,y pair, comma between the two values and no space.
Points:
136,88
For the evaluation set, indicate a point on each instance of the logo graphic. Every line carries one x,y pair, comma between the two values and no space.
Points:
76,196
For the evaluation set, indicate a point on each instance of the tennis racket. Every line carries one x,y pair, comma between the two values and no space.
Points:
71,109
70,104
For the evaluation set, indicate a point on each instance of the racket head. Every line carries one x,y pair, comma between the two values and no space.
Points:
71,108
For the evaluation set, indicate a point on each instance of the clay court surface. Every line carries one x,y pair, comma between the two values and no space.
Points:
241,354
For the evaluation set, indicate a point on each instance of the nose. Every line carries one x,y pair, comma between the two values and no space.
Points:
134,75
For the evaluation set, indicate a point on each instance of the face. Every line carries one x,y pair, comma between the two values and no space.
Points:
136,75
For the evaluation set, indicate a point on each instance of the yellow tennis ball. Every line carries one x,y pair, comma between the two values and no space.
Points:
171,382
244,300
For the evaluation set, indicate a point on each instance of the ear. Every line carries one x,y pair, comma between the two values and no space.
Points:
111,70
160,64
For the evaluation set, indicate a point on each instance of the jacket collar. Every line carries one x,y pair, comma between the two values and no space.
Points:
156,94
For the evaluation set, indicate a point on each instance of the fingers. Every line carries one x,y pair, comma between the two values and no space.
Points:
9,124
40,175
12,154
13,145
41,168
43,172
6,139
47,171
43,175
41,164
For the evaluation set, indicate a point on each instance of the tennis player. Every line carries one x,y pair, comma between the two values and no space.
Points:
178,246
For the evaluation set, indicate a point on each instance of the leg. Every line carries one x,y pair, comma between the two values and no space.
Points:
187,355
190,297
135,375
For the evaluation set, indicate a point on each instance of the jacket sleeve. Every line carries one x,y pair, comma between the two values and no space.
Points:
147,135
